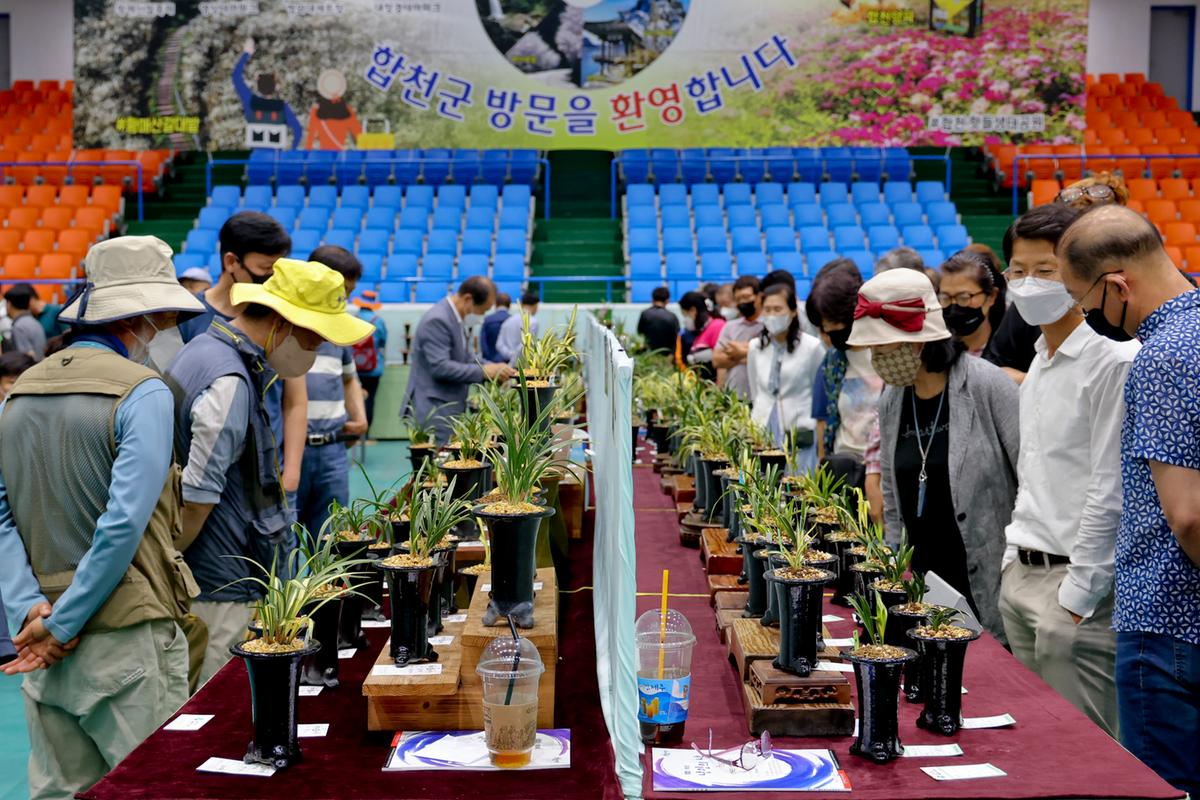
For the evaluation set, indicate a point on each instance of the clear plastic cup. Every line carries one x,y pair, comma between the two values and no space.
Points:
511,670
664,696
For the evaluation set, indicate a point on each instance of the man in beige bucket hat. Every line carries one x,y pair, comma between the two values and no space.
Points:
89,513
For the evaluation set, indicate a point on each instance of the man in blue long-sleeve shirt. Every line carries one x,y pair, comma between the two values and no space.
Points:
89,515
268,117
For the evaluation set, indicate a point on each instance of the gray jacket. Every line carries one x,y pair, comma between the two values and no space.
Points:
441,369
984,440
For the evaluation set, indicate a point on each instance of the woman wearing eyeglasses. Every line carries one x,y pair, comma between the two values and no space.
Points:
949,439
972,300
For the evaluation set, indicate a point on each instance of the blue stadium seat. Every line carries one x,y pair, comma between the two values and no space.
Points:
711,240
932,256
494,167
431,291
768,194
941,212
511,265
908,214
515,218
874,214
438,265
465,167
290,197
664,163
708,216
227,196
813,239
721,164
377,167
849,238
676,217
259,197
799,193
383,219
780,240
781,164
261,168
348,168
356,197
862,193
185,261
340,238
897,164
215,266
645,266
817,259
348,218
775,215
435,165
736,194
742,217
638,194
415,219
952,238
452,197
484,196
407,243
716,266
418,197
510,288
519,196
323,196
840,215
402,265
392,292
304,241
476,241
930,192
868,164
680,266
803,288
213,217
408,166
635,166
839,163
387,197
789,261
746,239
473,264
289,167
752,167
917,236
834,194
863,259
643,240
481,218
673,194
883,237
642,217
693,165
372,264
706,194
448,218
523,166
897,192
751,262
642,291
442,242
374,242
319,169
510,241
678,240
315,218
284,215
809,214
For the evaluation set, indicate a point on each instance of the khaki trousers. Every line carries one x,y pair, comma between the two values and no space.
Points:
91,710
226,627
1078,661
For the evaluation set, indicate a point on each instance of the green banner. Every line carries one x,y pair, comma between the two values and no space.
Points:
598,74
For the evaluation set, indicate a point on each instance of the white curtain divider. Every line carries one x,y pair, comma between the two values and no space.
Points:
608,377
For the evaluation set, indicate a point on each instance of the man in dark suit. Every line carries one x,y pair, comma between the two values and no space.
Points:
442,368
490,330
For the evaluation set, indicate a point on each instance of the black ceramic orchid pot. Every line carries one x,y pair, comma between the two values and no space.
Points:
878,691
674,439
843,582
864,575
823,561
410,592
942,681
469,483
900,622
321,667
660,433
770,617
449,573
734,528
534,399
800,607
274,689
892,597
756,566
400,530
514,564
712,486
372,586
350,633
438,604
470,580
418,454
768,460
696,470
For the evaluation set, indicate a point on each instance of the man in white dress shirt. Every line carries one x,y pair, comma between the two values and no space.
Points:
1056,590
510,342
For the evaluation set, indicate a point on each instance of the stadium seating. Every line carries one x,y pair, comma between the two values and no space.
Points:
779,165
373,168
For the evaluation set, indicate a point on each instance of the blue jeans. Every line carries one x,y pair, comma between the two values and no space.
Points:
1158,703
324,477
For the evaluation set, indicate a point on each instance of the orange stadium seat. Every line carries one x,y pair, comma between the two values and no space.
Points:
73,195
1112,137
24,217
10,240
1135,205
1139,136
1180,234
1142,188
1188,167
1174,189
1168,136
1159,167
12,196
1100,160
107,197
57,218
1189,211
1043,191
1192,256
58,266
19,266
1160,212
41,196
93,218
38,241
1069,163
1175,253
75,241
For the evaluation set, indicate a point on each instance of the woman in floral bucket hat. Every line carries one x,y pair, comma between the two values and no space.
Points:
950,434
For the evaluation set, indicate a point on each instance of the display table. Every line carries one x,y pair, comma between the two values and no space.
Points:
347,764
1053,750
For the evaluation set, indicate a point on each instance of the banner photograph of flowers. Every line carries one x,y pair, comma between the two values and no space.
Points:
606,74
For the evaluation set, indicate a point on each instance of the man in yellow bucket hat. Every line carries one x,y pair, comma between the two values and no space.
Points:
234,503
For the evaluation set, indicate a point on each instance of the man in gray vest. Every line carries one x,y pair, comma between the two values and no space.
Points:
234,505
89,523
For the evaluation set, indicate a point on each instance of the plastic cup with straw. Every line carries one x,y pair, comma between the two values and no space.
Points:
664,641
510,670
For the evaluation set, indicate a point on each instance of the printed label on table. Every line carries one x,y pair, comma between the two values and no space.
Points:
375,623
455,618
664,701
831,618
931,750
188,722
964,772
313,730
229,766
470,545
839,643
310,691
347,653
441,641
392,671
487,587
998,721
833,666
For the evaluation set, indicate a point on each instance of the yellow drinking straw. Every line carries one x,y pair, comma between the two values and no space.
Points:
662,625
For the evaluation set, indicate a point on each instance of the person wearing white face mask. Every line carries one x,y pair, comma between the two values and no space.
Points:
783,364
1056,592
90,573
234,499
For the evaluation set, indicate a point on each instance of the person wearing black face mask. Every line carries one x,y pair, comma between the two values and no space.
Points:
972,300
733,345
1115,266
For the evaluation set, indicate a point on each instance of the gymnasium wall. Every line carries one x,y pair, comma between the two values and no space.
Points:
1119,38
41,38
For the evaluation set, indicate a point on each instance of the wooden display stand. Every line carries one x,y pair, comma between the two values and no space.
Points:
720,557
453,700
717,584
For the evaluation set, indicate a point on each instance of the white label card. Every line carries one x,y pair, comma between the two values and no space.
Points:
188,722
831,618
312,731
833,666
229,766
441,641
931,750
839,643
375,623
487,587
960,772
310,691
455,618
470,545
392,671
347,653
998,721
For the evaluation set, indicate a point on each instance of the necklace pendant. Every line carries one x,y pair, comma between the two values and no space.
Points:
921,495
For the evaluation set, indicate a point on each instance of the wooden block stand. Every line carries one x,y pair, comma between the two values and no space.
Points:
453,700
720,557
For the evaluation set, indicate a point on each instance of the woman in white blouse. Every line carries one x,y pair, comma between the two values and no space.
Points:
783,364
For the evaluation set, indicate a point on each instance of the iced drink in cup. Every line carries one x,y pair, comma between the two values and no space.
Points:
664,675
510,670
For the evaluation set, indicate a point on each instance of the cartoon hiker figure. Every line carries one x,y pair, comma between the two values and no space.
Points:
268,118
332,124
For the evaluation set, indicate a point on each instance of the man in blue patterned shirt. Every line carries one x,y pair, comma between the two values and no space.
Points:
1118,271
